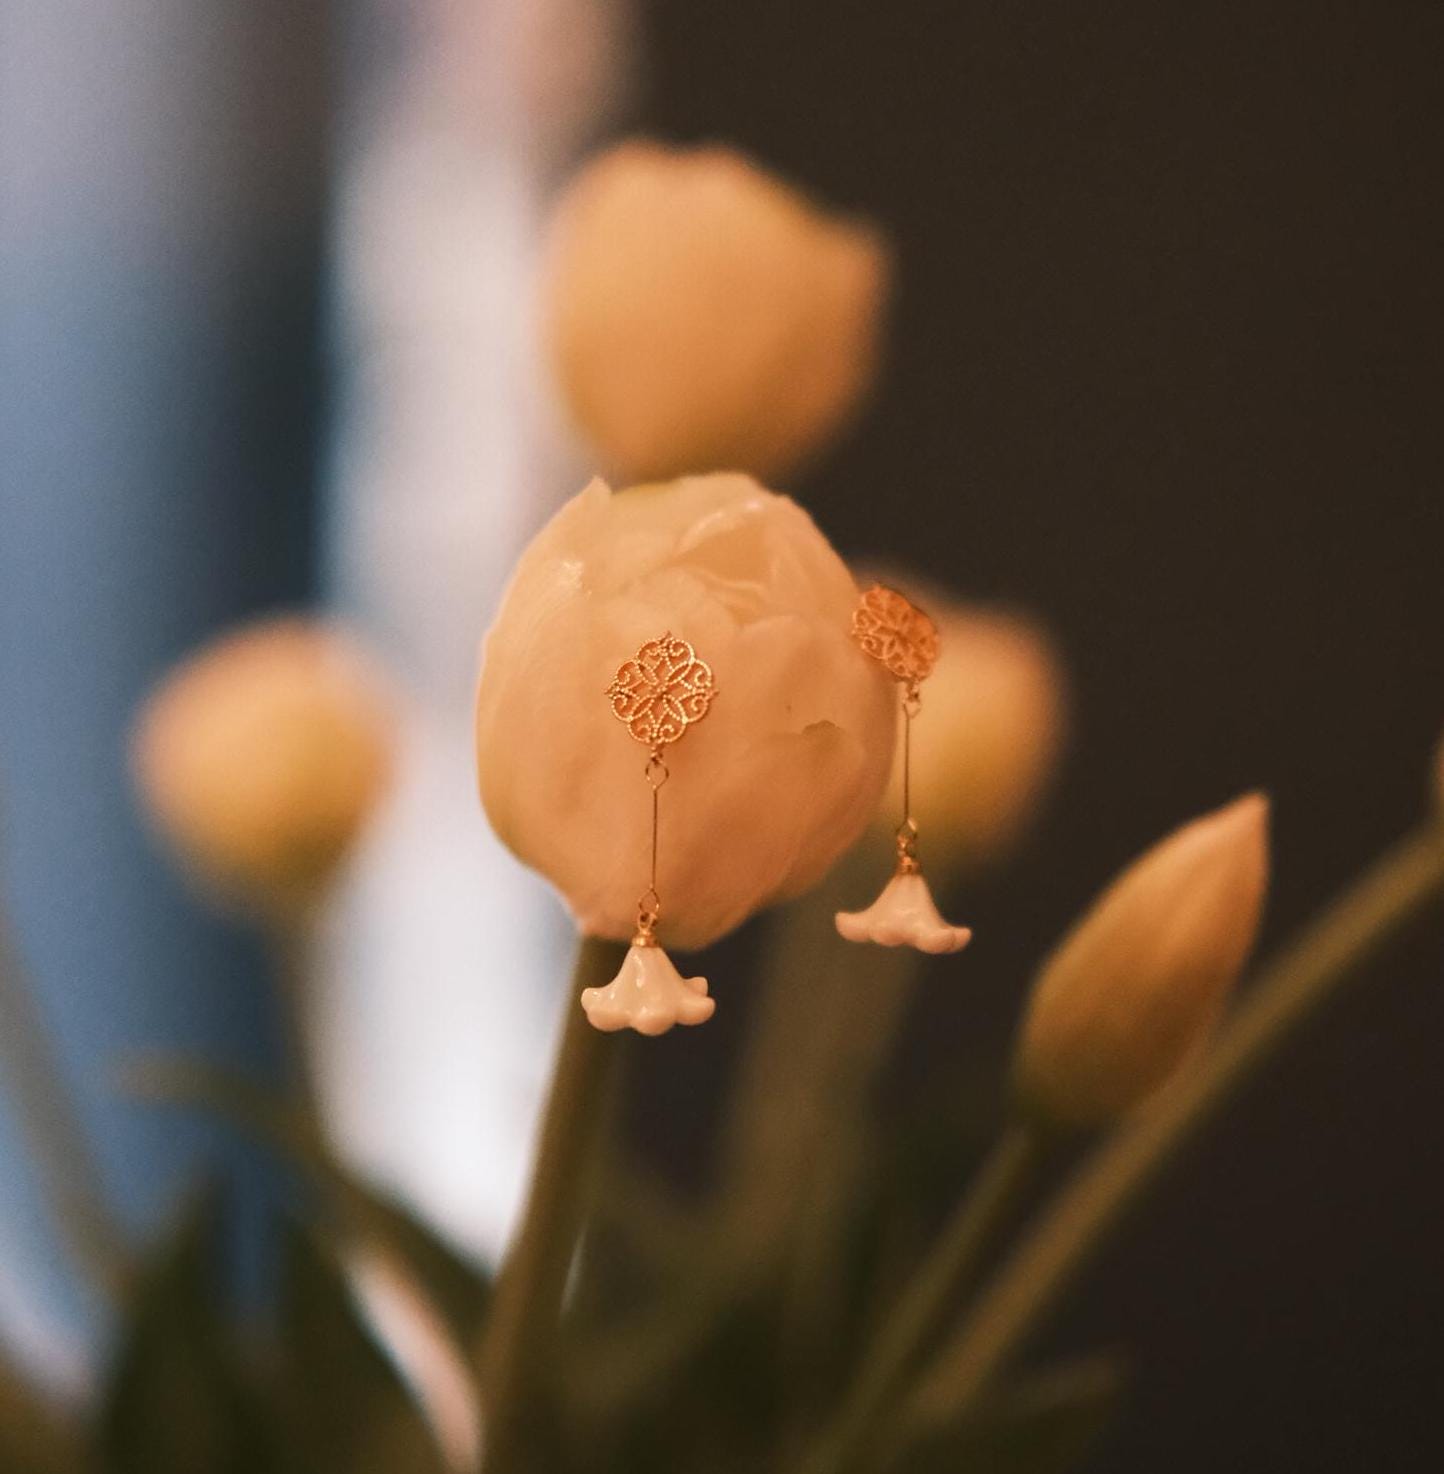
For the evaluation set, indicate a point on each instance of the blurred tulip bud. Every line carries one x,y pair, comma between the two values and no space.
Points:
704,316
261,756
1138,984
987,738
766,793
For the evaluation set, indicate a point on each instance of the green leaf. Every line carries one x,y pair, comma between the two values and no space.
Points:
811,1069
641,1215
340,1400
1045,1425
177,1399
34,1438
456,1288
690,1383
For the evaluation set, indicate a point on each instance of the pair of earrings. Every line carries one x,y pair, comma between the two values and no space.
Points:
666,688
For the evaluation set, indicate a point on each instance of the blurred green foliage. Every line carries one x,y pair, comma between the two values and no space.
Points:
701,1335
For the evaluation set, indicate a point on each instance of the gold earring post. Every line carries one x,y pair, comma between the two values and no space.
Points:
892,630
660,692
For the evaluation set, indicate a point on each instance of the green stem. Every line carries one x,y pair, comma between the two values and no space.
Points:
809,1070
69,1173
527,1304
946,1278
799,1129
1398,886
292,941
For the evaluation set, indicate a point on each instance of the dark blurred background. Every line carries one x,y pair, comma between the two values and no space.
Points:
1166,368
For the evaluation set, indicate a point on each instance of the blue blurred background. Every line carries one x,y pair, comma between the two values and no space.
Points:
265,344
164,213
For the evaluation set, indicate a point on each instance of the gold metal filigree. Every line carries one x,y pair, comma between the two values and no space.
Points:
904,641
895,632
661,691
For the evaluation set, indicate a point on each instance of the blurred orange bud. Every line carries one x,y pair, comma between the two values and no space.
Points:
1137,986
987,737
261,756
703,316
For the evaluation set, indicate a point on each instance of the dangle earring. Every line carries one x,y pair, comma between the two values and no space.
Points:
898,635
660,692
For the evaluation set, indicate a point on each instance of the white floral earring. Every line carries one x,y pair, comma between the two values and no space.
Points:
897,634
660,692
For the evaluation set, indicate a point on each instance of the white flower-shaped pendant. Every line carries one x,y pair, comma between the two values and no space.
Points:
648,995
904,916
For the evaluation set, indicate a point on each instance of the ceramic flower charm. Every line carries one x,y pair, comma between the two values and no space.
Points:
904,915
648,995
904,642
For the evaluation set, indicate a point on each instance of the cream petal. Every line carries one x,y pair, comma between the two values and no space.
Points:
904,916
649,995
764,794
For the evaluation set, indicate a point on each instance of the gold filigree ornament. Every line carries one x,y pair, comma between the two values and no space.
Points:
657,694
904,641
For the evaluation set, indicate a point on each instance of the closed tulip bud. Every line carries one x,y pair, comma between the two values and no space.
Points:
701,315
1137,986
260,757
763,795
987,737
